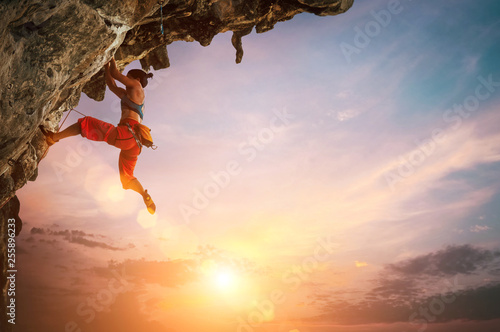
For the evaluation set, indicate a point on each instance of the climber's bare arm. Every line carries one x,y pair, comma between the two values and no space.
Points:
110,82
130,83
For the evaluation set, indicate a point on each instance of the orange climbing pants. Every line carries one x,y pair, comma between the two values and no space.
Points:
120,137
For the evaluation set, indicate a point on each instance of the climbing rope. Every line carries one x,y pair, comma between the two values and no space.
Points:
71,110
161,14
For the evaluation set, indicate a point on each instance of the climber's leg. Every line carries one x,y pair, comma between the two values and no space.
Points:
126,165
96,130
136,186
72,130
91,128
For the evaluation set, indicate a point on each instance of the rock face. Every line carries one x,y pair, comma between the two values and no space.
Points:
53,50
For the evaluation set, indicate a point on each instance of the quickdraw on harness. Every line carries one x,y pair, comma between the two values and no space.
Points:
142,136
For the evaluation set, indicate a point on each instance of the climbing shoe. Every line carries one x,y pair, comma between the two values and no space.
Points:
49,136
149,203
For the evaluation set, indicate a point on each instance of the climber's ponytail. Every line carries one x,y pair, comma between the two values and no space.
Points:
141,75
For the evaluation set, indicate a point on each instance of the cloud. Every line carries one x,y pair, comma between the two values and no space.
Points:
474,304
402,288
92,244
495,271
396,291
164,273
36,230
447,262
75,236
470,304
346,114
479,228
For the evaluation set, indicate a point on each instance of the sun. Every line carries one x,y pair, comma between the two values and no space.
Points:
224,279
221,278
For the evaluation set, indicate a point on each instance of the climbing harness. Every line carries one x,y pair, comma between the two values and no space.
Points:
138,141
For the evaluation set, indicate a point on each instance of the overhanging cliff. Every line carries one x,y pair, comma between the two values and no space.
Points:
53,50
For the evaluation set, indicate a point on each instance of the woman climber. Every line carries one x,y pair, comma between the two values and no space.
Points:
128,136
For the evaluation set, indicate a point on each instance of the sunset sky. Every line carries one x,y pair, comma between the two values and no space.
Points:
344,177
